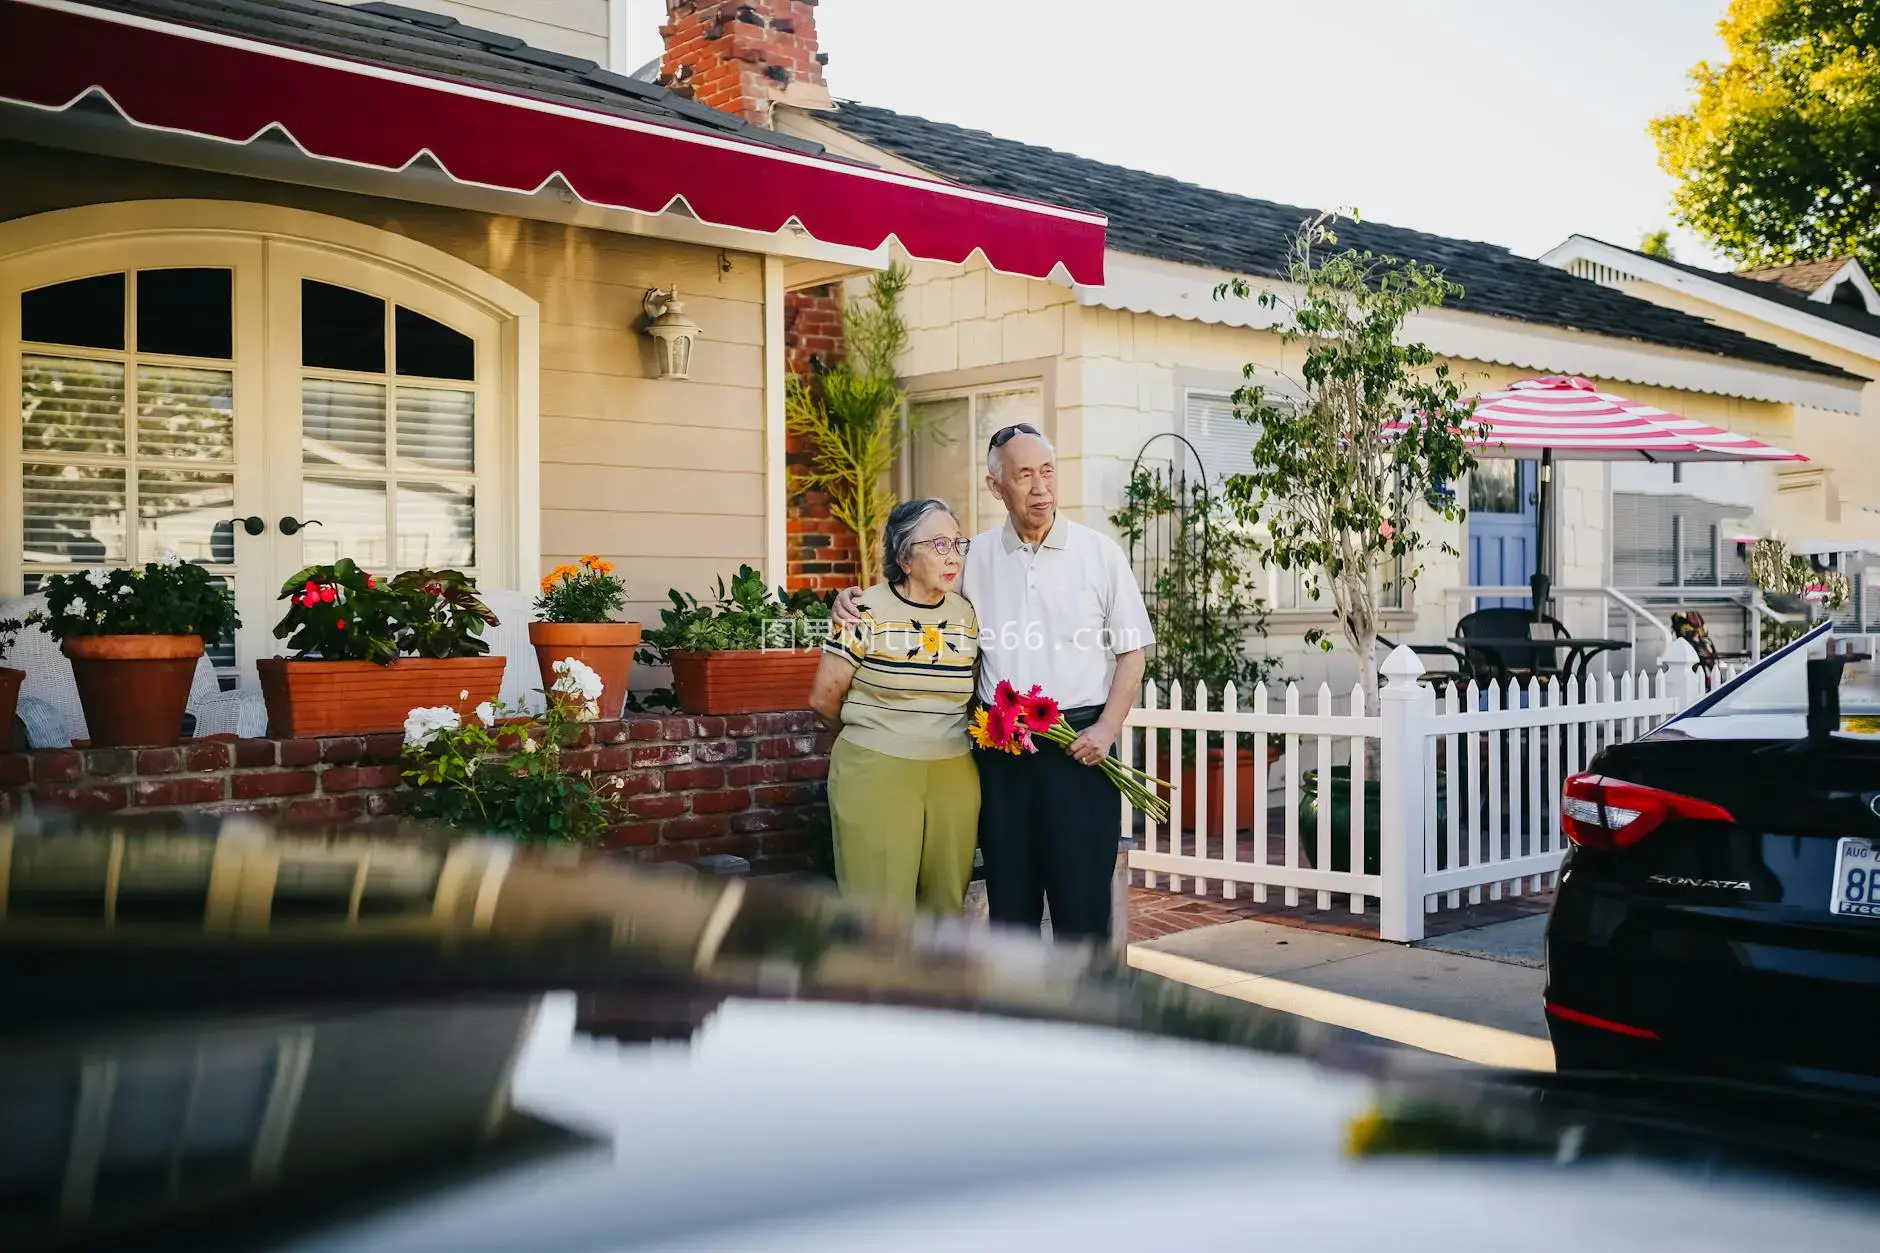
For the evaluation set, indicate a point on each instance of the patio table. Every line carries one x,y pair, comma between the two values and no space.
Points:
1579,650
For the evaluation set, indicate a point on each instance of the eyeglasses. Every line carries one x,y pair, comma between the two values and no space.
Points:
941,547
1006,434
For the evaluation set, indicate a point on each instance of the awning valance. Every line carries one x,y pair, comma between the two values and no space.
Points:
171,77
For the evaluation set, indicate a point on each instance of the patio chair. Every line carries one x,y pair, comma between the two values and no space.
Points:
1506,661
1458,673
49,707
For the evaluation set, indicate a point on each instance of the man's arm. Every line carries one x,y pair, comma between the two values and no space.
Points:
1094,744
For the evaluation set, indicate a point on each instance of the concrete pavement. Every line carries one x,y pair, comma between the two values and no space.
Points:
1474,994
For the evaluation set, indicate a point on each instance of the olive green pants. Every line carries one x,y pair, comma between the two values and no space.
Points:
905,829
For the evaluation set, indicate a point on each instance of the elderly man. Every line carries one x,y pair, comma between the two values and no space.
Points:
1058,608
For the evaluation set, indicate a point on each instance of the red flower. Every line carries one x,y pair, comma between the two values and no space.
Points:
1040,711
1005,696
370,581
1002,723
328,595
342,624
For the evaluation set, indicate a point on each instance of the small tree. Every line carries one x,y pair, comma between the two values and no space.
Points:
1342,478
851,415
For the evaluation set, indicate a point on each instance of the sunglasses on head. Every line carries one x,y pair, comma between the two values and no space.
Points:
1005,434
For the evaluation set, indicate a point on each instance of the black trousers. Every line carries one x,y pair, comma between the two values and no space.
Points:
1048,831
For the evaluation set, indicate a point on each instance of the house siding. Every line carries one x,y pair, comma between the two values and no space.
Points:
666,478
577,28
1120,378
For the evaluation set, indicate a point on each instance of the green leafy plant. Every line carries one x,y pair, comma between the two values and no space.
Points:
1202,599
850,414
338,612
504,771
163,597
1342,478
443,617
585,592
744,616
11,627
1783,577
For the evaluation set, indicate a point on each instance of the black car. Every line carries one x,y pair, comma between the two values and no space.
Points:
233,1039
1719,911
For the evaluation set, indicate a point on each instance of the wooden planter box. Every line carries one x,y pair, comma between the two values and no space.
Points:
10,681
767,680
308,699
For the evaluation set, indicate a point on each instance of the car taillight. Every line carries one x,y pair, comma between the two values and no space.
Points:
1609,813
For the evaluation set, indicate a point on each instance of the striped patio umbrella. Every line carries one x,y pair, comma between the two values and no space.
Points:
1562,416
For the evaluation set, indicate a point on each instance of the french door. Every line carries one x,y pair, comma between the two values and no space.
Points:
251,404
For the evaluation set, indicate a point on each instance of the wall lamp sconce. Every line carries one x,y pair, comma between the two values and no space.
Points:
674,334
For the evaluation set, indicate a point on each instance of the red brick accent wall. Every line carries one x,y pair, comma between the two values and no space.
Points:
742,55
821,550
749,785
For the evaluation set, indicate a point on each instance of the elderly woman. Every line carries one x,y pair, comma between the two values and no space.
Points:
903,790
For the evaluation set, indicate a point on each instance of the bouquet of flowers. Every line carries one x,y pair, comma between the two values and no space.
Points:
1012,721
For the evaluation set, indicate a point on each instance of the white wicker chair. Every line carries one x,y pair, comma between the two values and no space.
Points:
49,705
522,679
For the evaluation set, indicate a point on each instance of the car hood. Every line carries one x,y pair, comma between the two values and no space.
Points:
559,1054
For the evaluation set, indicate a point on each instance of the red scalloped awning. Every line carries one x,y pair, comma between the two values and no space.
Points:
164,76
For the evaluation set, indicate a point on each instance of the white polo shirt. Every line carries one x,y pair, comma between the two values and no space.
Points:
1056,616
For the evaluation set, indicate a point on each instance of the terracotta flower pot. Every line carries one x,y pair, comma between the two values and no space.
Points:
308,699
10,681
1244,798
134,689
607,647
765,680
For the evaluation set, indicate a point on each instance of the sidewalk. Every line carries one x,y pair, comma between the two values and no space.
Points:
1472,992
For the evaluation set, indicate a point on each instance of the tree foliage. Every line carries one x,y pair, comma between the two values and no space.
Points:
850,414
1776,158
1657,244
1339,488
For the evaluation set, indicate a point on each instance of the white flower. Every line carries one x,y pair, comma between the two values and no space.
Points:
77,606
124,589
528,743
577,678
422,724
486,714
590,711
169,557
464,695
98,578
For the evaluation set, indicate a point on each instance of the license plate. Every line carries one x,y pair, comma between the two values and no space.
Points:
1856,879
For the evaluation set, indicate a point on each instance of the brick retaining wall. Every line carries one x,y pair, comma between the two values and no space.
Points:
750,785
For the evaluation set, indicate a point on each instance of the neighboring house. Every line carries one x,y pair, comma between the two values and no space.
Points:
1104,367
1828,310
272,262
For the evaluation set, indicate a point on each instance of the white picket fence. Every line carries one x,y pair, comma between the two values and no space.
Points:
1465,805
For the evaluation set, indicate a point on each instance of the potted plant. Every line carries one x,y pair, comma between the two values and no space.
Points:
10,680
134,637
1203,607
500,771
577,605
746,653
366,653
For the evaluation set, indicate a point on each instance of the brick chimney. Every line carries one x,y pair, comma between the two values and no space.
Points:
744,56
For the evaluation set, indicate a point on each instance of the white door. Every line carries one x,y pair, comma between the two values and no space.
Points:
177,392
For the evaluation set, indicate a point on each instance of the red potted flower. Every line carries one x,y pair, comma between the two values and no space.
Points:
10,680
367,652
134,637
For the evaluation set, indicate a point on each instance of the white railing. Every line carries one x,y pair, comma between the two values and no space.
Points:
1465,804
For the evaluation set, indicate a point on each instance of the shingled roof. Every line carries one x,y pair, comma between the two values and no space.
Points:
1777,293
1805,277
443,47
1152,215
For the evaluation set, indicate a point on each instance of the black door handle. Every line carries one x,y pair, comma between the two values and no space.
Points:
254,523
291,525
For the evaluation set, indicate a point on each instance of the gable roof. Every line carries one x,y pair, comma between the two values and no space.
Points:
1806,277
1778,292
1153,215
443,47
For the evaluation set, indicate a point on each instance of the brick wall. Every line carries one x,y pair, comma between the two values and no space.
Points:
821,551
749,785
743,56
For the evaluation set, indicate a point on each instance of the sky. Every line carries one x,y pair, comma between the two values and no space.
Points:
1515,121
